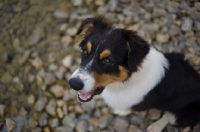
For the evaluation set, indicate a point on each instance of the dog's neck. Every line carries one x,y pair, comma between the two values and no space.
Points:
123,95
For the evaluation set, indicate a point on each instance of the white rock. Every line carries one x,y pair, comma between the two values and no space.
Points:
67,61
81,126
186,24
77,2
57,90
72,31
66,40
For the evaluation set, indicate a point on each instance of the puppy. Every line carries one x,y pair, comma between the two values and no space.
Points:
131,74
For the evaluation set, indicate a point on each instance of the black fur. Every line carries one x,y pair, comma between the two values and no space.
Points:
178,92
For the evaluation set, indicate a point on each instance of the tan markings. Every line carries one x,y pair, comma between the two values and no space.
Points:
129,47
89,47
89,25
103,80
105,54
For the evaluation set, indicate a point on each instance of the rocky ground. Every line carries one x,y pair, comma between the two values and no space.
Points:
38,53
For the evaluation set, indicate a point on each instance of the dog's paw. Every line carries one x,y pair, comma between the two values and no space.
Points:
155,127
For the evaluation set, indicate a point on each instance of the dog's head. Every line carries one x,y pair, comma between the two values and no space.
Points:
108,55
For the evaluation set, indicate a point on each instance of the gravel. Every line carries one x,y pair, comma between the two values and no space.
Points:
40,51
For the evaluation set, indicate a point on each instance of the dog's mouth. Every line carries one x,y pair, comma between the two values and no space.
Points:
86,97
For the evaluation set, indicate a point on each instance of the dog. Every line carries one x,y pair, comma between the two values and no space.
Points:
131,74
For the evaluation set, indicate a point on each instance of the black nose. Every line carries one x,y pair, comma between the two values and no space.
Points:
76,83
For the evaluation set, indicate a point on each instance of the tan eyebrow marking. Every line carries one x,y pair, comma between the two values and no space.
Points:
89,47
105,54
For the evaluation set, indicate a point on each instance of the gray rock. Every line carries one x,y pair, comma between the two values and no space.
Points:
25,57
49,78
81,126
120,125
69,94
54,123
57,90
2,109
186,24
51,107
10,124
60,72
136,120
53,67
40,104
61,14
69,120
174,30
63,129
20,121
35,37
104,121
197,25
43,119
64,109
31,99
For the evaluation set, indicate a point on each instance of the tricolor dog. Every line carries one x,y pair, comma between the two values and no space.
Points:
131,74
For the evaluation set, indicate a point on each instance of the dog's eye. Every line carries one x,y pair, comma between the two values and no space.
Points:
106,61
85,52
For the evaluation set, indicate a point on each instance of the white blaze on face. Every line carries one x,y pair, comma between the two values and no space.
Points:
88,79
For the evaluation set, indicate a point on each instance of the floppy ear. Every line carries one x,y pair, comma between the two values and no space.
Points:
90,23
138,48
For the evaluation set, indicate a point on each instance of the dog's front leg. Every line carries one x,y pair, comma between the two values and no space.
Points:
161,123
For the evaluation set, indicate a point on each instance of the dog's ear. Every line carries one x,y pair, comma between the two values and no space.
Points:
90,23
137,47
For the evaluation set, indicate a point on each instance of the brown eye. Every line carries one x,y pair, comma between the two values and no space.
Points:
85,52
106,61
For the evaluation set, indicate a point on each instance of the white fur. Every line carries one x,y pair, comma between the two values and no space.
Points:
161,123
122,96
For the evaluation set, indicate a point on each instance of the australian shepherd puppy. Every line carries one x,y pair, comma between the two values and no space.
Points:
131,74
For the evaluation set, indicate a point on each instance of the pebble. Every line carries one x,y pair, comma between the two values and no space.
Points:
6,78
60,72
174,30
10,124
77,2
133,128
31,99
2,109
81,126
37,130
70,94
59,112
54,123
25,57
32,122
69,120
40,104
104,121
186,24
57,90
67,61
35,37
162,38
72,31
49,78
43,119
153,114
37,63
66,40
120,125
51,107
61,14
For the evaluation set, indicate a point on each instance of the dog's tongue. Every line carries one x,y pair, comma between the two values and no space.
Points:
85,96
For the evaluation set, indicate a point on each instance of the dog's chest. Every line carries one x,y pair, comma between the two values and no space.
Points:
122,98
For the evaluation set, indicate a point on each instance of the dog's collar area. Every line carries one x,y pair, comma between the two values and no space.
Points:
85,97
